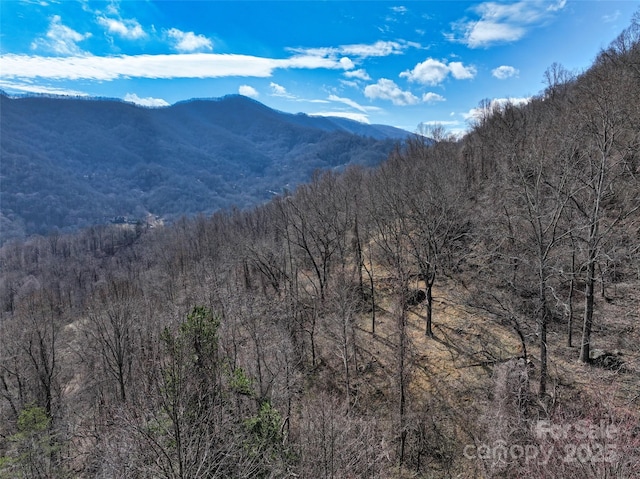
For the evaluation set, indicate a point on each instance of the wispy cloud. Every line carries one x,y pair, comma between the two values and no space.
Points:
432,97
129,29
360,74
386,89
377,49
486,33
60,39
360,51
279,90
434,72
399,9
148,102
497,103
248,90
193,65
350,84
612,17
360,117
347,101
15,87
503,22
186,42
504,71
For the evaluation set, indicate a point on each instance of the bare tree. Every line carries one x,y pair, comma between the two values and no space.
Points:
602,191
392,251
435,211
111,326
320,221
335,443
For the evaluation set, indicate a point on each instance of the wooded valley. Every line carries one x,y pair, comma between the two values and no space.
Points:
469,308
69,163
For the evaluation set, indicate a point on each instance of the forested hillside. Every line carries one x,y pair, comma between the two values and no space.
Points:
70,163
469,308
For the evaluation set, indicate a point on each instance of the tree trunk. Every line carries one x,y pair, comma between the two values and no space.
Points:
345,359
543,318
571,290
359,259
585,347
429,306
402,388
402,379
369,271
543,352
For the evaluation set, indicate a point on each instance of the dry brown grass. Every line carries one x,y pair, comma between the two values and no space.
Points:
454,368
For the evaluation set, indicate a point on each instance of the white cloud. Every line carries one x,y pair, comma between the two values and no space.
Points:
279,90
460,72
386,89
346,63
377,49
350,84
310,61
434,72
192,65
247,90
189,41
148,102
430,72
112,8
400,9
503,22
360,74
485,33
129,29
497,103
359,50
559,5
42,89
347,101
360,117
431,97
503,72
60,39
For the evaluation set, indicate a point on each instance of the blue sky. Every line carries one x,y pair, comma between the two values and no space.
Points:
402,63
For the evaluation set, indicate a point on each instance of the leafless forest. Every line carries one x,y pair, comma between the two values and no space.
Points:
415,320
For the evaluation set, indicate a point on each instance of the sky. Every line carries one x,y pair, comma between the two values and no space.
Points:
409,64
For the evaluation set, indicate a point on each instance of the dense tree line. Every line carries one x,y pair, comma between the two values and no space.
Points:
289,340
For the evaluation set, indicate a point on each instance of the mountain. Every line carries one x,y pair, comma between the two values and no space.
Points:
69,162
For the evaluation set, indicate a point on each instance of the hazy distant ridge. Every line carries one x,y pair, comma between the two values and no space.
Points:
70,162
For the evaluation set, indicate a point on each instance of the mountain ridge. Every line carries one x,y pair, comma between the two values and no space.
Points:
70,163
